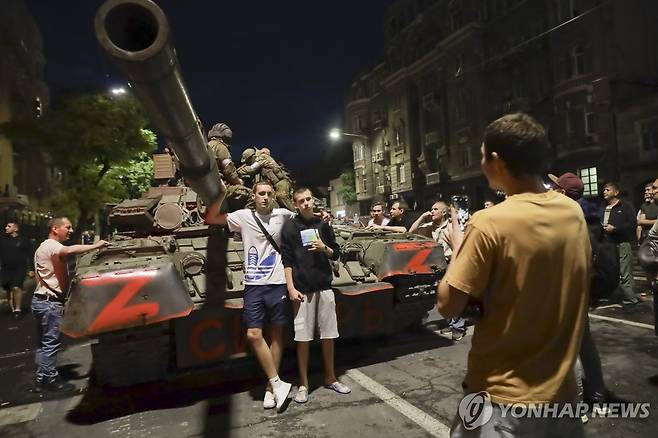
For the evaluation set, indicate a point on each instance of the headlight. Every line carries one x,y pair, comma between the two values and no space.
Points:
193,264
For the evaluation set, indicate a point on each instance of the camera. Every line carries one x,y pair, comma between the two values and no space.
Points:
462,205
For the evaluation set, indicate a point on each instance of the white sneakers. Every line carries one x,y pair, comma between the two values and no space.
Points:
281,391
268,400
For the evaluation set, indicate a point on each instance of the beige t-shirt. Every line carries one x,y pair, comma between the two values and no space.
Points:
50,268
528,260
437,233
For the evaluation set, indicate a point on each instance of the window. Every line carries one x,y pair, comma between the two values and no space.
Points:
364,185
455,19
576,63
649,134
589,178
460,106
467,161
399,134
358,152
459,65
401,175
358,123
590,121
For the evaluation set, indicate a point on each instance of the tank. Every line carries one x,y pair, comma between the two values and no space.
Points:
166,296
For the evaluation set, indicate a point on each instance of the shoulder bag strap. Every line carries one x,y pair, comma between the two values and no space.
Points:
42,281
267,235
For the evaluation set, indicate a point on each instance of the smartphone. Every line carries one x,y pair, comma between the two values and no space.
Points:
462,204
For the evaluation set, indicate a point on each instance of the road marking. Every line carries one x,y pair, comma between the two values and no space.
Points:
433,426
609,306
623,321
19,414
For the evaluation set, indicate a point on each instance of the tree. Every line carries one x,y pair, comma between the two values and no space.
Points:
136,176
348,191
90,138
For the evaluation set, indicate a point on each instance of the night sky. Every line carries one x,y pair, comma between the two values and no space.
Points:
276,72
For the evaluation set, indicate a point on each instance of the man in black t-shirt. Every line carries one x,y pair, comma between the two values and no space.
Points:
648,213
15,261
307,245
619,222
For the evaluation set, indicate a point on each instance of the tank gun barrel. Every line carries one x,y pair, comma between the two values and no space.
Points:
136,36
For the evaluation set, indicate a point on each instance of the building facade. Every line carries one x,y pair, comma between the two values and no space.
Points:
24,181
583,68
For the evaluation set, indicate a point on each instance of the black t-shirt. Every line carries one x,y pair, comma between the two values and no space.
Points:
16,252
311,271
404,221
650,210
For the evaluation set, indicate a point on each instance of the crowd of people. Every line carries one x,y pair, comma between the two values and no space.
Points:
532,251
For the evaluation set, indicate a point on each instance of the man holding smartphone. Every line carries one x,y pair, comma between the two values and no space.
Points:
514,261
307,245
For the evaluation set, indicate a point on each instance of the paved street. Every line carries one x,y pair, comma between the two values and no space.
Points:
405,386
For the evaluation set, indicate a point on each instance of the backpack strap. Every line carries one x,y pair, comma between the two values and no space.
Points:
267,235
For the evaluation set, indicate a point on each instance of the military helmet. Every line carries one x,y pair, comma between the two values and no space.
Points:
247,154
220,130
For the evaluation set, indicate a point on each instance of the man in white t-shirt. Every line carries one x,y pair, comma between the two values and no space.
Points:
377,215
48,300
265,291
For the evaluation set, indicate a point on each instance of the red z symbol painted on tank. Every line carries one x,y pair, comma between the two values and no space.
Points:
117,313
417,262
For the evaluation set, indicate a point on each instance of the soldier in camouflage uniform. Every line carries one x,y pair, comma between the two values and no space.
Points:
220,137
259,164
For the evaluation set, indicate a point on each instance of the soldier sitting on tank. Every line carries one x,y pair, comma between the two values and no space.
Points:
220,137
260,164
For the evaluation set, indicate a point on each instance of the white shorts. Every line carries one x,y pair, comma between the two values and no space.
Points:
318,308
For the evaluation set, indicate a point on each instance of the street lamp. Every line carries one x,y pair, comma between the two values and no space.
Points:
336,134
118,91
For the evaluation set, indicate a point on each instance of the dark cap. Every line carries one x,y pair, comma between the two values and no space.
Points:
220,130
570,183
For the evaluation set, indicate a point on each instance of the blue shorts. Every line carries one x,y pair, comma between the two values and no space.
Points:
271,299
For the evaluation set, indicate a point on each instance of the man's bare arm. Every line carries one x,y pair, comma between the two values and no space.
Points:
450,301
293,293
80,249
422,218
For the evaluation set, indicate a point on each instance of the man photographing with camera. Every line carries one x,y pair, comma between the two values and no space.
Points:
527,261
